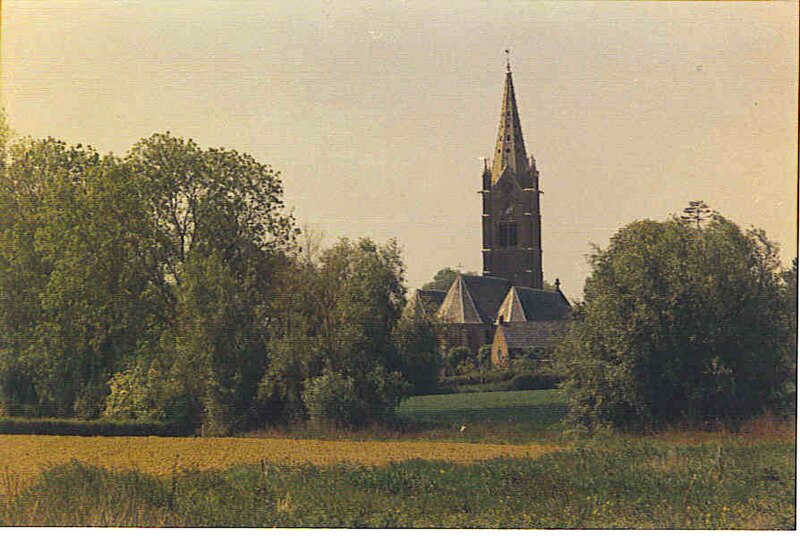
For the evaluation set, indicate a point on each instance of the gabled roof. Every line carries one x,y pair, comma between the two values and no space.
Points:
458,306
511,309
523,335
523,304
487,293
426,302
473,299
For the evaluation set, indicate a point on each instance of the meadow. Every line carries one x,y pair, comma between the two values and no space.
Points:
502,416
486,460
642,484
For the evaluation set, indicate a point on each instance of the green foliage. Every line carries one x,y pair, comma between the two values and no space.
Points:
484,357
679,323
74,286
476,380
457,356
220,233
161,261
522,374
442,280
529,381
76,427
420,360
462,362
135,394
336,316
334,399
697,213
622,485
785,398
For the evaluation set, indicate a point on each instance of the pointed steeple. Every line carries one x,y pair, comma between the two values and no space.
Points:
510,149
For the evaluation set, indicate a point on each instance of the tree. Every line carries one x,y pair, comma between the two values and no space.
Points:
219,235
74,288
696,213
444,278
117,272
209,200
420,360
334,320
786,398
678,323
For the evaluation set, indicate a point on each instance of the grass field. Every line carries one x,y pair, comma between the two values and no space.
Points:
477,478
509,415
641,484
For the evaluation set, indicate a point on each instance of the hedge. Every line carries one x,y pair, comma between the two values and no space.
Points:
76,427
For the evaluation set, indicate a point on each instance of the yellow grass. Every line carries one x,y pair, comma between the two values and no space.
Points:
764,429
25,456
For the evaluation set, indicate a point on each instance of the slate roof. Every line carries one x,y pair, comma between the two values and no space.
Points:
487,293
427,302
458,306
523,304
523,335
483,299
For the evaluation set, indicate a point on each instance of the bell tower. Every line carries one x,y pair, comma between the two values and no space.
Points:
512,223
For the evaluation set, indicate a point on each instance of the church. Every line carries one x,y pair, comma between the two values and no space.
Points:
507,306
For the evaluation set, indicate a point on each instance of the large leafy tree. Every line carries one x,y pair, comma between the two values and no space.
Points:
333,355
220,231
156,266
680,322
75,287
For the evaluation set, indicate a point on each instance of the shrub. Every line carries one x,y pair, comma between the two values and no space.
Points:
484,357
132,395
532,381
348,401
484,380
456,356
332,398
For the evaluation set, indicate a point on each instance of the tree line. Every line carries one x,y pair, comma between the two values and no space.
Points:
168,284
171,284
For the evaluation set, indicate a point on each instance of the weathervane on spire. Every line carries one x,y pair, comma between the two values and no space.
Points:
508,61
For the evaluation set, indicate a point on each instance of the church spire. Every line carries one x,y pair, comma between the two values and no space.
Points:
510,149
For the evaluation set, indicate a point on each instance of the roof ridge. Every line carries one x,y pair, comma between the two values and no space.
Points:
471,302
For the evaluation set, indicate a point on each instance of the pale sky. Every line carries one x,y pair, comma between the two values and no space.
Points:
377,115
